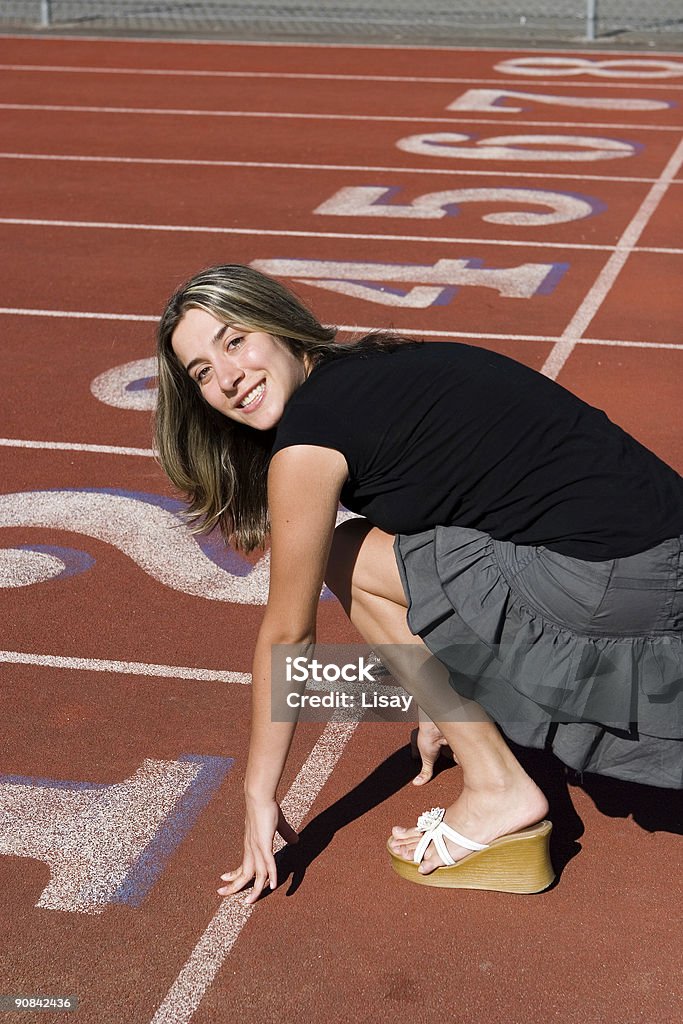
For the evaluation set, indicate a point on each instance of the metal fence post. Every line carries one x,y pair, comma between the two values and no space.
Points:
44,13
591,18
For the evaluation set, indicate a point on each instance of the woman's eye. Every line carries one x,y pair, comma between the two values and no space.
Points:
202,375
235,341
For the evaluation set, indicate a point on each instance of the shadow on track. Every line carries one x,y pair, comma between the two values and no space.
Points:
652,809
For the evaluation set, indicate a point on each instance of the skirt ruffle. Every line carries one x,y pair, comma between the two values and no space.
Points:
523,631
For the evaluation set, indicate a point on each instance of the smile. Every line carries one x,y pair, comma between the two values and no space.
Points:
252,397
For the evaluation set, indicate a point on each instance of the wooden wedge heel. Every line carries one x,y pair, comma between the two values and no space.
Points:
518,863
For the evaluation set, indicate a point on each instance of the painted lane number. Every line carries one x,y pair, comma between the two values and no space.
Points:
559,67
377,201
493,101
432,285
574,148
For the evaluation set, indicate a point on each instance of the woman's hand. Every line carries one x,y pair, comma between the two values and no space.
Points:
427,742
262,821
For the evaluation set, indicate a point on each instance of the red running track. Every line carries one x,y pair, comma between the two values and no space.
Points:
128,165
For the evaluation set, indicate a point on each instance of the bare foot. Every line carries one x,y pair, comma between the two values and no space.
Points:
480,816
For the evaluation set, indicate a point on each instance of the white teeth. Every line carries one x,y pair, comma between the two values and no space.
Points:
253,395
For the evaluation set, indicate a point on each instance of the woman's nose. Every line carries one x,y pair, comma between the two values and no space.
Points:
230,374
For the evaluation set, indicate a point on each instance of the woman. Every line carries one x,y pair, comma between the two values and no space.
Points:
510,529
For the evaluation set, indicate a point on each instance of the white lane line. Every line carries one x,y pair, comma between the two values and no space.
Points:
307,116
631,344
609,273
69,446
326,76
213,948
361,329
199,229
269,165
134,668
73,314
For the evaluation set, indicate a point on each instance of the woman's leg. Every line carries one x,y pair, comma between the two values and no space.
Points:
498,797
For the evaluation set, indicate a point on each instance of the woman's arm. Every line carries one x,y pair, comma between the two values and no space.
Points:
304,483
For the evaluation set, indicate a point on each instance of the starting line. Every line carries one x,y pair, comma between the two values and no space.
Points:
135,668
215,944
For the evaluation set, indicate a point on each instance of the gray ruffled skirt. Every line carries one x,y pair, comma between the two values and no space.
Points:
585,658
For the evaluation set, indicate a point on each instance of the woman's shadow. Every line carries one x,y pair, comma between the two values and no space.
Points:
652,808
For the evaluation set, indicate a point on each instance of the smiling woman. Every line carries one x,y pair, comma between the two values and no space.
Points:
245,375
225,332
518,566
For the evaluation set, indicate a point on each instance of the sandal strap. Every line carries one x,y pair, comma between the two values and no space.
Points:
436,835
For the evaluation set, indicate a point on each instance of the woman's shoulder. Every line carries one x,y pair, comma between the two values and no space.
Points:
385,355
456,360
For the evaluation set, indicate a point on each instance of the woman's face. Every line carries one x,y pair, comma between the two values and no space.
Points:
246,375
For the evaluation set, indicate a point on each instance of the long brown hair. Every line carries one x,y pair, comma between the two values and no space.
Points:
220,465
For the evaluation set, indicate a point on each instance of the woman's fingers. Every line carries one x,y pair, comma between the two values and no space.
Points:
258,866
269,874
236,880
241,878
428,748
426,772
262,874
260,882
427,744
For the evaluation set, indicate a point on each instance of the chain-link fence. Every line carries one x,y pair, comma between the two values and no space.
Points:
401,21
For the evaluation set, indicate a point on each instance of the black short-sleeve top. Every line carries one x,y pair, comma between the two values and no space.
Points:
448,434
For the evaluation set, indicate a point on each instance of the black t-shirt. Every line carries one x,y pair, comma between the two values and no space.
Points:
444,434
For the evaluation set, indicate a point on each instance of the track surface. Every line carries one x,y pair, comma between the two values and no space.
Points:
126,166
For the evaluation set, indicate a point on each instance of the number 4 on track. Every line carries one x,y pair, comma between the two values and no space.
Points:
433,285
